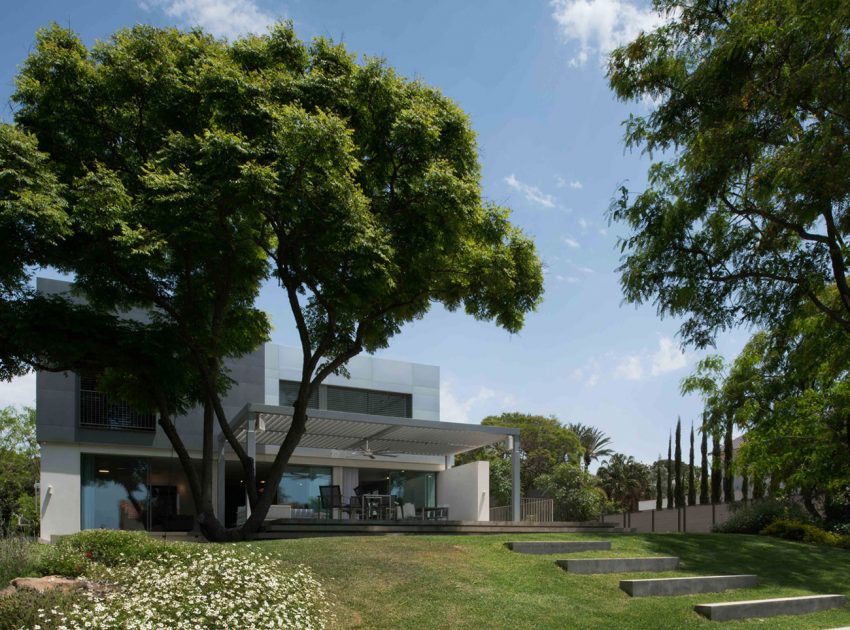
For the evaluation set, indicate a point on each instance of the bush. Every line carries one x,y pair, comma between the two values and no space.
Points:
792,529
573,491
207,587
28,609
73,555
753,517
16,558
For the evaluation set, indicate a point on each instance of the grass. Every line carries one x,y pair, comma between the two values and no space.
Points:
475,582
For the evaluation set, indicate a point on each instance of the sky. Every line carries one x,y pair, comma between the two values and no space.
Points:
531,77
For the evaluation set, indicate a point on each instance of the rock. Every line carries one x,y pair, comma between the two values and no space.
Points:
49,583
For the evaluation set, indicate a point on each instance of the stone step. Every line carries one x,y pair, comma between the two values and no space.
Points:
687,585
558,546
619,565
770,607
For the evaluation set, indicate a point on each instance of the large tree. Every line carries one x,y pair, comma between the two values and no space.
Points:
704,496
692,485
747,211
185,171
18,471
544,443
625,481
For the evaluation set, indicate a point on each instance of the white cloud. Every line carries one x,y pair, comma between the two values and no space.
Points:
668,358
19,392
569,279
563,183
597,27
223,18
571,242
454,408
603,231
630,368
577,185
583,223
532,193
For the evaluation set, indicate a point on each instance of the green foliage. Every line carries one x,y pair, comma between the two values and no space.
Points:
16,558
747,213
594,442
574,492
544,443
625,481
190,170
792,529
19,469
753,517
25,609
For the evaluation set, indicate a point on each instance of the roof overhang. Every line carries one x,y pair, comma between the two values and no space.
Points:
342,431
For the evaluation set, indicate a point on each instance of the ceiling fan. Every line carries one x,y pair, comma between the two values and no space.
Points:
365,451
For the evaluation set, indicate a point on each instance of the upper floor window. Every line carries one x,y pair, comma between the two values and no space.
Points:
99,411
368,401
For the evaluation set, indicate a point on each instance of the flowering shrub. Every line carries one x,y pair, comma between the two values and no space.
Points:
196,586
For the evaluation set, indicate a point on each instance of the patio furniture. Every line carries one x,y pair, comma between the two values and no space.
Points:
439,513
276,511
379,506
331,499
408,511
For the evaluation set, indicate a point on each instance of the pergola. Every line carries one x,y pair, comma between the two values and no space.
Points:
343,431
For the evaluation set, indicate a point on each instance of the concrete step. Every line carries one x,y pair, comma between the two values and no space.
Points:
558,546
687,585
619,565
770,607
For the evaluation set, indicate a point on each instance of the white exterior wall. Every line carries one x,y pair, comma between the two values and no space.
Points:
466,490
59,497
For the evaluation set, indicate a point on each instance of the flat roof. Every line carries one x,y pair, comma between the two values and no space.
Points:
343,431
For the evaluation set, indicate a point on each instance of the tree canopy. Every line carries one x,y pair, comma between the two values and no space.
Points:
746,211
172,173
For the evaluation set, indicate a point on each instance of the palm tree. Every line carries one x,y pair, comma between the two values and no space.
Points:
625,481
594,442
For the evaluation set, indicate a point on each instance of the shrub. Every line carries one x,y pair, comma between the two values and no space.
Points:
16,558
573,491
753,517
206,586
792,529
28,609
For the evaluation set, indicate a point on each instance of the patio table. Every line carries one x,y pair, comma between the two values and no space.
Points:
435,513
378,503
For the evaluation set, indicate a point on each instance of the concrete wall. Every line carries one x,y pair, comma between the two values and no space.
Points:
696,519
466,490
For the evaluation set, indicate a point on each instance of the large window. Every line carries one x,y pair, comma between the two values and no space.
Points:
99,411
418,488
371,402
134,493
115,492
300,485
289,392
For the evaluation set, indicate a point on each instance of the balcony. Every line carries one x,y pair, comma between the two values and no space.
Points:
99,411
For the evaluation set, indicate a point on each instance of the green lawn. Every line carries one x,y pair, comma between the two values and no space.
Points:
475,582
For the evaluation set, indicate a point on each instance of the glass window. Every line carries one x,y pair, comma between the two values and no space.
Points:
289,392
418,488
300,485
369,401
115,492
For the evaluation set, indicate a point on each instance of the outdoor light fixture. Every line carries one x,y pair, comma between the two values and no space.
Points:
104,471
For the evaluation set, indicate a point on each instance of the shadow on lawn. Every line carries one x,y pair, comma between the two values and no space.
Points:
776,562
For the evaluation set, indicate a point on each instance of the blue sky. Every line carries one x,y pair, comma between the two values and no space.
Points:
531,77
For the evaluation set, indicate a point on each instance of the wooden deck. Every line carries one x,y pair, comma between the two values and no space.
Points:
307,528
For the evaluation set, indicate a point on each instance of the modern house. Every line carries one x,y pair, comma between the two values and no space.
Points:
106,465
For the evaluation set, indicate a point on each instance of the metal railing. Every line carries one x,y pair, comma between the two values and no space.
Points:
531,509
99,411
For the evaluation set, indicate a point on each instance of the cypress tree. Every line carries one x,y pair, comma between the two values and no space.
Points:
703,473
692,484
728,478
669,472
680,486
659,497
716,473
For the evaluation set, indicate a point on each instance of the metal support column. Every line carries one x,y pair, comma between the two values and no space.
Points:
251,449
516,513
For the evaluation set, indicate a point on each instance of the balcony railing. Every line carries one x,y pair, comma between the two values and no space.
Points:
99,411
